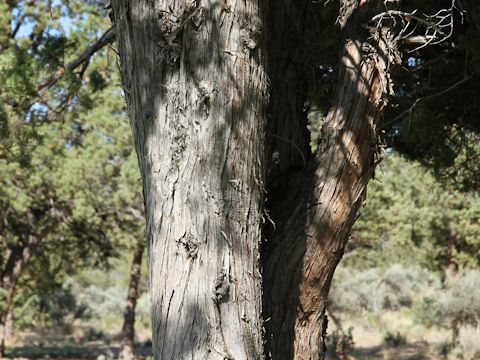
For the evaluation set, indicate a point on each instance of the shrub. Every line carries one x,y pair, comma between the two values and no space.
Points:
444,348
377,289
469,338
342,341
394,340
424,312
461,301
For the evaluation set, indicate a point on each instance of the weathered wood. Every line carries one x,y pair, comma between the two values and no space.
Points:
196,88
313,230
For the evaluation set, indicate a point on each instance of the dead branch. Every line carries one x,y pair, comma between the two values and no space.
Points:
410,110
84,57
422,30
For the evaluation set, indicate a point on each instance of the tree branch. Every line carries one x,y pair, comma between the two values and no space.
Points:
436,28
409,111
107,38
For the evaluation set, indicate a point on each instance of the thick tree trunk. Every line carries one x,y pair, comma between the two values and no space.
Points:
196,89
128,329
288,150
312,232
196,86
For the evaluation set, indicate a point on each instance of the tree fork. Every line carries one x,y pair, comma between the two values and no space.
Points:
197,92
316,222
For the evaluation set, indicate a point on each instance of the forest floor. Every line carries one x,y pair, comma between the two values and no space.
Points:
94,350
414,351
100,350
367,343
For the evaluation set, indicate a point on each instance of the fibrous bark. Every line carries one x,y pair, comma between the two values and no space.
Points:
196,89
196,84
312,232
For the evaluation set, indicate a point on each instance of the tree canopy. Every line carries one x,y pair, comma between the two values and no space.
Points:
70,194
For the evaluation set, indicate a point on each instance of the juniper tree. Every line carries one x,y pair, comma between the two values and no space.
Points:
69,188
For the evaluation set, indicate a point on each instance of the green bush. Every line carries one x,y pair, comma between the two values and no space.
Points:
394,340
424,313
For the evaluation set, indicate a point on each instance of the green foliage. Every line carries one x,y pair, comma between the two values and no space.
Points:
410,218
102,296
394,339
70,170
425,313
433,117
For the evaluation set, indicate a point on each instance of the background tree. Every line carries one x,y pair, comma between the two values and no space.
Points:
433,118
70,198
411,218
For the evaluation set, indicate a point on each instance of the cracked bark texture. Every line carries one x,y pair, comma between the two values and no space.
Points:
214,133
196,90
314,218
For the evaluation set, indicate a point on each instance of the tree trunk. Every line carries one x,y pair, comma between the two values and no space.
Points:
17,259
450,266
196,89
128,329
314,225
288,151
9,326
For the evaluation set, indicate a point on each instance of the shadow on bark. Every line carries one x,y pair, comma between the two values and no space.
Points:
197,100
314,219
197,96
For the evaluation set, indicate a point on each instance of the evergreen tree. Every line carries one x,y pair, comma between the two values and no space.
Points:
69,193
410,217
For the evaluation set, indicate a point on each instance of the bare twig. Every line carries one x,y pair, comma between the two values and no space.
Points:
410,110
435,28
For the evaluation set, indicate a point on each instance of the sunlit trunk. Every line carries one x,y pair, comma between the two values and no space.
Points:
197,86
196,90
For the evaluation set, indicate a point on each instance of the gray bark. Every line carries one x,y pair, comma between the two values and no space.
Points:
9,326
196,89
